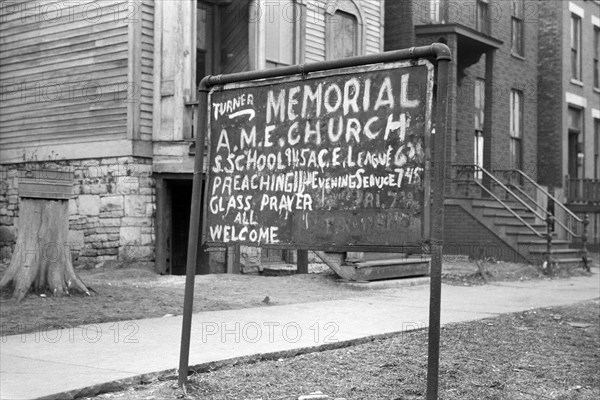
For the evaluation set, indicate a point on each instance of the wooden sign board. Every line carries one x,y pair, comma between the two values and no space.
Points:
331,160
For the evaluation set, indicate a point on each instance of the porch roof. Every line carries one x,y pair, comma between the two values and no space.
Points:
468,38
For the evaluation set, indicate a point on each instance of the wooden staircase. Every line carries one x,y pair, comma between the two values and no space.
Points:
508,210
531,245
376,266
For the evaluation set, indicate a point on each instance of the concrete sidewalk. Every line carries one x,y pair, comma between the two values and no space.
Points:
77,362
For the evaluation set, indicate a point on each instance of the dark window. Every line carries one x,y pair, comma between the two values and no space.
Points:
516,129
517,10
279,30
575,150
478,106
575,47
342,35
483,19
596,56
207,56
597,149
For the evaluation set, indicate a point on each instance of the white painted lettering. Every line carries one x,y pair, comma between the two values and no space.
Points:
276,107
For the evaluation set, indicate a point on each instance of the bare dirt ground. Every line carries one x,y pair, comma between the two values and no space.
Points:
132,292
460,271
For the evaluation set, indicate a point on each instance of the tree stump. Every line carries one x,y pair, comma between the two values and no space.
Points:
42,258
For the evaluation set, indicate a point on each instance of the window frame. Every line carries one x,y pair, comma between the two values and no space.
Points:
517,36
575,46
211,40
579,132
478,123
596,148
435,12
295,35
482,20
596,62
352,8
516,129
258,33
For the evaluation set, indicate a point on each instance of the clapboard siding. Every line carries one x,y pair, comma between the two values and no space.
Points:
29,34
147,70
315,32
373,22
67,61
37,98
315,28
57,114
66,127
66,78
84,42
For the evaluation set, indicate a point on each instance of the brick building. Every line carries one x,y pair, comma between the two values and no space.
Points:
107,90
494,205
569,106
495,70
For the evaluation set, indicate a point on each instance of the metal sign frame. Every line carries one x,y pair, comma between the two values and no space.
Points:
293,224
442,56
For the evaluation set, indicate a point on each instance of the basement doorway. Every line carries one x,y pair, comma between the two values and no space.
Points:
174,199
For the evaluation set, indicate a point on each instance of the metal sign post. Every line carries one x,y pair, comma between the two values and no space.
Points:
194,234
332,155
437,226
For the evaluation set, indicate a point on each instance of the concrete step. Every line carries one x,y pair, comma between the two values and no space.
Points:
491,212
398,261
525,231
567,262
561,259
382,256
515,223
570,262
507,220
473,191
390,269
528,245
524,237
493,204
559,254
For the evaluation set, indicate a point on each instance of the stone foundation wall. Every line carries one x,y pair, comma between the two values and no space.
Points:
111,212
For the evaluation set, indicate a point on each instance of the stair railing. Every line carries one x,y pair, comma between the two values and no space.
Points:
582,190
519,189
471,171
572,219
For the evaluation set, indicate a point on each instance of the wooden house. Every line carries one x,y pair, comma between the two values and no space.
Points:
108,90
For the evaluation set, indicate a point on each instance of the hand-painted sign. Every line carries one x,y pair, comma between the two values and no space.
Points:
333,159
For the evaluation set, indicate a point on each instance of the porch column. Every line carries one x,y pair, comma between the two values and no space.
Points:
174,69
451,116
487,115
